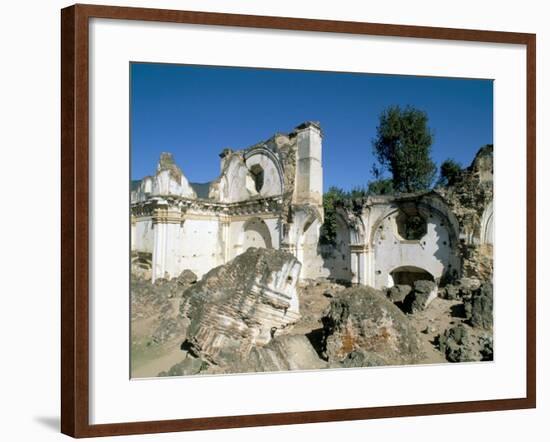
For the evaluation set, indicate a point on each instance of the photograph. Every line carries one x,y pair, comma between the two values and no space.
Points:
286,220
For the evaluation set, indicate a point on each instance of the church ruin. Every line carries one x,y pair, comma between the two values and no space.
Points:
270,195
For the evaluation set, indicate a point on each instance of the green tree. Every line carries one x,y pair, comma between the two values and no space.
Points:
403,145
328,229
449,172
381,186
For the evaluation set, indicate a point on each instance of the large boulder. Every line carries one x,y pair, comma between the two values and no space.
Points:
287,352
460,289
283,353
460,344
398,292
479,307
457,345
241,304
186,278
423,293
361,319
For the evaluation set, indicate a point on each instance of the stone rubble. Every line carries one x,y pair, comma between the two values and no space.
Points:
362,319
241,305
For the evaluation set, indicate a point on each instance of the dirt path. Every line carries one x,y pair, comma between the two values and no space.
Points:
430,323
171,354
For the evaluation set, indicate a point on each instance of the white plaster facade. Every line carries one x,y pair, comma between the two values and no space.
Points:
271,195
371,251
268,195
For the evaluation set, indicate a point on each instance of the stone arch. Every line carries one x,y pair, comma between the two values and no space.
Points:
486,234
427,206
354,223
264,165
434,252
408,275
337,256
258,174
235,181
307,228
256,234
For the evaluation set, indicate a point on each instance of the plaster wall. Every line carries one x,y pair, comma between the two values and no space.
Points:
252,232
201,246
337,257
272,182
432,252
142,235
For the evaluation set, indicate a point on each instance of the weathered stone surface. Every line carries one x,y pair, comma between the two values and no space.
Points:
361,358
398,292
361,318
186,278
457,345
423,293
289,352
141,264
160,302
479,307
477,261
450,292
486,347
463,344
242,304
190,365
461,289
468,198
152,299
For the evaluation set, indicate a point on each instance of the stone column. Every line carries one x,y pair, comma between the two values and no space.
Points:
166,222
159,250
359,264
132,232
355,272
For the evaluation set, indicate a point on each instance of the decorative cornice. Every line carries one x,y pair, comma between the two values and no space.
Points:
172,204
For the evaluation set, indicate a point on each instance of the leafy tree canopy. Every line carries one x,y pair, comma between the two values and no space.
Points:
403,145
449,172
381,186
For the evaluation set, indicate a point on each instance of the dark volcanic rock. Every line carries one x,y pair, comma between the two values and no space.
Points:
398,292
361,318
486,348
461,289
458,345
479,308
241,304
420,297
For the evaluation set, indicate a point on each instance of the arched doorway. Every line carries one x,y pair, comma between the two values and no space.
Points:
256,234
408,275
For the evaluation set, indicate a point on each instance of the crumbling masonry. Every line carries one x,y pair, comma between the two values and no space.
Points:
270,195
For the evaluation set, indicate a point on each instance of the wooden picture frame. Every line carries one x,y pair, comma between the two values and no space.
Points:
75,219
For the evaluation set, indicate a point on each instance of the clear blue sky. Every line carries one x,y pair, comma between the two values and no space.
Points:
196,111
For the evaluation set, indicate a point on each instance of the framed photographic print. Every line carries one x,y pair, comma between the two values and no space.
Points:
257,208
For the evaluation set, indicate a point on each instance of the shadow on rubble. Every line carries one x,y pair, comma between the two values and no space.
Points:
458,311
317,340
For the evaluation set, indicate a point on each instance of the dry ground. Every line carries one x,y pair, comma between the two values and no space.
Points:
148,358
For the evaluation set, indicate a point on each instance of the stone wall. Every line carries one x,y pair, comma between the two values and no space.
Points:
268,195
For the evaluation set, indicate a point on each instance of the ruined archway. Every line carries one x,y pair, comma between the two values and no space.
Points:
256,234
408,275
486,234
